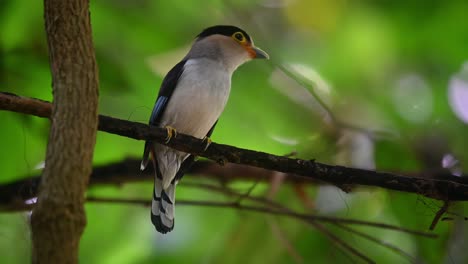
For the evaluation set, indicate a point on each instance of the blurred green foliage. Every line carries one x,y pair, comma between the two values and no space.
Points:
385,67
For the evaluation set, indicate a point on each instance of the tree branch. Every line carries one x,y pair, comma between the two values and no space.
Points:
127,171
449,189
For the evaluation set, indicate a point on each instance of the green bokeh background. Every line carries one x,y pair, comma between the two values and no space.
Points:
385,67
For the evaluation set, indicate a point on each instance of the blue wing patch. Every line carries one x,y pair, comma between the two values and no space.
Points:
157,110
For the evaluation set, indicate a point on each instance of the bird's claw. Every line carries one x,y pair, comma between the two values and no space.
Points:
171,132
208,142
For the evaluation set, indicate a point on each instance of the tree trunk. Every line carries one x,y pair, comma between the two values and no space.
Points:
59,218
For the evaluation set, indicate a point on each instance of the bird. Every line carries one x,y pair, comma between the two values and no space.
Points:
191,99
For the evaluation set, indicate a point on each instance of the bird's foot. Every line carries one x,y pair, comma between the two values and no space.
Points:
207,141
171,132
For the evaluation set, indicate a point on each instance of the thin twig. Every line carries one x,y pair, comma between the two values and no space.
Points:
438,215
261,209
344,245
281,236
229,192
242,196
378,241
341,242
286,211
269,202
311,89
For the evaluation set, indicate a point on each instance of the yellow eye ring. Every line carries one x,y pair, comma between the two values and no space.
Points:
239,37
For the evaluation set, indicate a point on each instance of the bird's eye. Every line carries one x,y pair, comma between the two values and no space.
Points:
238,36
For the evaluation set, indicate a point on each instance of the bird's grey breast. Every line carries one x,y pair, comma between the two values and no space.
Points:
199,98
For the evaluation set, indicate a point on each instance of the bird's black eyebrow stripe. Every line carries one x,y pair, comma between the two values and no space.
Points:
222,30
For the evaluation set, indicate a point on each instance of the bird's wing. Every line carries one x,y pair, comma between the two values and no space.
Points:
211,129
167,88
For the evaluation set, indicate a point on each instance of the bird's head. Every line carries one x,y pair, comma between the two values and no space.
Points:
228,44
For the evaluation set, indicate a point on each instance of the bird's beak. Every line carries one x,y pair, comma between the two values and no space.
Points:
260,54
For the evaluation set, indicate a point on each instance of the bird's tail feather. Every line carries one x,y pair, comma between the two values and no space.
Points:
162,207
163,203
144,161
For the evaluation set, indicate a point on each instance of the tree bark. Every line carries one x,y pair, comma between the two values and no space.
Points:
59,219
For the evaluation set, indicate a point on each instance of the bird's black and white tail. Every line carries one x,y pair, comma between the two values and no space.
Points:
162,206
163,202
